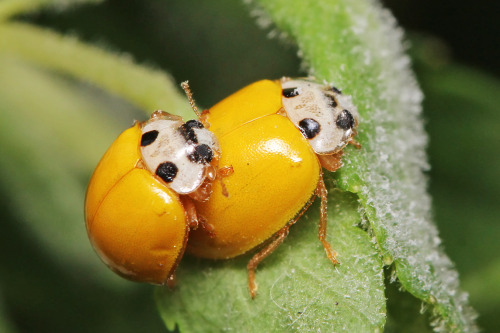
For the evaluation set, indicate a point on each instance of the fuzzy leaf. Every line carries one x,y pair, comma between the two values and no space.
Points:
357,45
299,289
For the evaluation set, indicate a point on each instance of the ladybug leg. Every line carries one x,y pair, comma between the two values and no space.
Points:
225,171
194,221
191,215
207,227
221,174
322,193
261,255
355,143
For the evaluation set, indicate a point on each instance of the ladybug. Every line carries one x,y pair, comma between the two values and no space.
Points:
139,202
277,136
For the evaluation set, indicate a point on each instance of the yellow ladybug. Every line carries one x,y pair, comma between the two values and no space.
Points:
138,207
277,136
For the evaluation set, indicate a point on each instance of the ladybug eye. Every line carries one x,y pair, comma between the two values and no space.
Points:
290,92
167,171
309,127
345,120
148,138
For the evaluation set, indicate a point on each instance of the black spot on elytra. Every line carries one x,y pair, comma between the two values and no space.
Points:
309,127
345,120
148,138
201,154
167,171
290,92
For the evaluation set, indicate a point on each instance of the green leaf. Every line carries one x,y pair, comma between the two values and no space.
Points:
357,45
405,313
354,44
299,289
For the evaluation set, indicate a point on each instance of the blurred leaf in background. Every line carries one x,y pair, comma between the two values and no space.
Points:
50,278
464,125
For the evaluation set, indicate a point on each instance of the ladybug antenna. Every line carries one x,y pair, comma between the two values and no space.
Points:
189,94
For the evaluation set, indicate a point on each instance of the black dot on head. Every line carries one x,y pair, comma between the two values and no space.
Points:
148,138
188,133
201,154
332,101
290,92
309,127
205,152
345,120
167,171
337,91
194,124
195,157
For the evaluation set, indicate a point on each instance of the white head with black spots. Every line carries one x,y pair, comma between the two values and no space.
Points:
325,117
178,153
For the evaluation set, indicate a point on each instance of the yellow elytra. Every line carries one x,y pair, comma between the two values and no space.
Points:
277,136
138,207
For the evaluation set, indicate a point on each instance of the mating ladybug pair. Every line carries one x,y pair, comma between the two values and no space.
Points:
221,186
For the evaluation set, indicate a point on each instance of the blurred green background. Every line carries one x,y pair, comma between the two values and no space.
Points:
50,281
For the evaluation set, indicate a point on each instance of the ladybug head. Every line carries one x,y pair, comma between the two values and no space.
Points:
326,117
178,153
